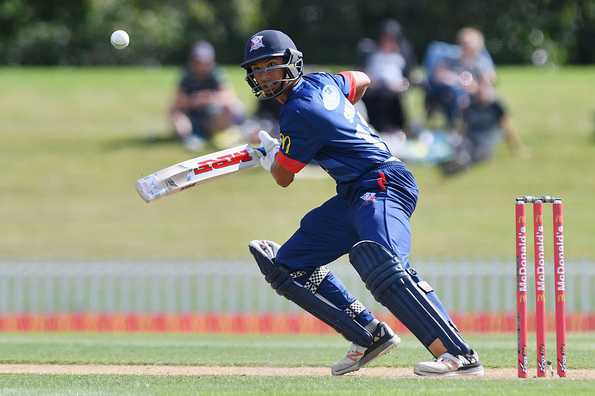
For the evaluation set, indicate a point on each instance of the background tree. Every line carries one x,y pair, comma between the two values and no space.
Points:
75,32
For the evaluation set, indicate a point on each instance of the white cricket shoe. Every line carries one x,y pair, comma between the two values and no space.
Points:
447,365
358,356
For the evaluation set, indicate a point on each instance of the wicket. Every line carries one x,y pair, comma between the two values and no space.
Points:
522,283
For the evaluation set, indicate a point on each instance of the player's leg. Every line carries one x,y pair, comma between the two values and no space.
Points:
295,272
382,220
319,292
324,235
303,288
382,262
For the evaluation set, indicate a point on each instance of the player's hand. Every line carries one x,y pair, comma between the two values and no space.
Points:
268,142
271,147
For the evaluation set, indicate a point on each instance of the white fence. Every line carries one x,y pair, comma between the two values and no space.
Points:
181,286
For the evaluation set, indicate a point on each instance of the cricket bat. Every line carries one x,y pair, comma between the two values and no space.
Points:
198,170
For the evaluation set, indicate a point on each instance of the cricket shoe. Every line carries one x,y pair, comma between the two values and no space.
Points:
358,356
447,365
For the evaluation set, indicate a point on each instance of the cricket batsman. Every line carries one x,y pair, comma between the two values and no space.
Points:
368,218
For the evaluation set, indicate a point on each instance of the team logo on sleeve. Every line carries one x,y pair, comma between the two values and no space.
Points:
331,97
285,142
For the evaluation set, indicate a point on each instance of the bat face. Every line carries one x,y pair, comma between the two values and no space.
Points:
194,171
223,161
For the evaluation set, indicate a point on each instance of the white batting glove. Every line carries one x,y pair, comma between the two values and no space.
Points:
271,147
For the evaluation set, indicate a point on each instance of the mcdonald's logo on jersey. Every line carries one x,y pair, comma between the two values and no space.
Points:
285,142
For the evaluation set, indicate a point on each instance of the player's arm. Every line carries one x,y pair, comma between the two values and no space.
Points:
282,176
358,83
296,148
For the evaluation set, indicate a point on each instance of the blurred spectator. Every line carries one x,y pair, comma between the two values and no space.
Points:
203,107
454,72
485,122
388,63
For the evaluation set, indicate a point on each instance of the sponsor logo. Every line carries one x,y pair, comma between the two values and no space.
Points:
561,267
563,364
369,197
541,363
524,362
522,259
285,142
222,162
256,43
540,252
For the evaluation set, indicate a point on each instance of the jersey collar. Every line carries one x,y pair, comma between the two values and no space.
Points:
295,88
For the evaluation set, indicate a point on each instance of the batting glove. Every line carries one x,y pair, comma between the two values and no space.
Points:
271,147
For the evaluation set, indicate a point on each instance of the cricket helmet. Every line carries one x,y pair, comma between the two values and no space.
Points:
269,44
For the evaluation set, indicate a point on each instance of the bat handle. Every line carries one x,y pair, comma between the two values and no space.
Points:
261,150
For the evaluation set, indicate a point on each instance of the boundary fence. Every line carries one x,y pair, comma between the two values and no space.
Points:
219,296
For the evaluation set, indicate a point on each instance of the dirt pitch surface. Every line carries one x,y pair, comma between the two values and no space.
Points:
378,372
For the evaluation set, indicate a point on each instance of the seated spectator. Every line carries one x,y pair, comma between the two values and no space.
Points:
485,122
203,106
388,64
454,72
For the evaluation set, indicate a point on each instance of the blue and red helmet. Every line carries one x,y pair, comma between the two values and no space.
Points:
270,44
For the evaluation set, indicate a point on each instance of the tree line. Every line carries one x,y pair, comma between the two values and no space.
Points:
76,32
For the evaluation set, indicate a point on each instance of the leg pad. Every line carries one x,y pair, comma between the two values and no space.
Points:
283,282
393,287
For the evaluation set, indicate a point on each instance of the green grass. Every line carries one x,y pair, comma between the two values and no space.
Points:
497,350
276,351
36,385
75,140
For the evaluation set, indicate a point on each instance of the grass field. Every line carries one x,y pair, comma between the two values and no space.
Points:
497,352
75,140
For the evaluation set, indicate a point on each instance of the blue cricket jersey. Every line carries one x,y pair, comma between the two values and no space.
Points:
319,123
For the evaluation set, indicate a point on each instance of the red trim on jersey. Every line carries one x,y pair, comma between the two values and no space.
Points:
349,77
293,166
381,181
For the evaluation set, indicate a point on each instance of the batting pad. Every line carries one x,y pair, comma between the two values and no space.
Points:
280,278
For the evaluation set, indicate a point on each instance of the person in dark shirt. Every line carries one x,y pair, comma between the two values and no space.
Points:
388,64
485,122
203,105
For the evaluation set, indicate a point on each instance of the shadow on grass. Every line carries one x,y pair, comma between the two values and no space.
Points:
141,141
